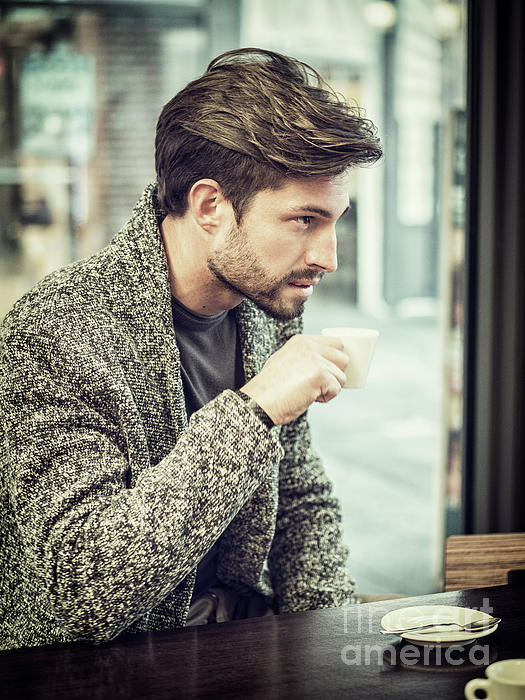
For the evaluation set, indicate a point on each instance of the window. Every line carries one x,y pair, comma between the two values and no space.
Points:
393,449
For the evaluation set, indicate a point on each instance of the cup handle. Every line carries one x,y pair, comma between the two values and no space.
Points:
476,684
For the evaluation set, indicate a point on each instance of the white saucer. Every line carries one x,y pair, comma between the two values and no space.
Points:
442,636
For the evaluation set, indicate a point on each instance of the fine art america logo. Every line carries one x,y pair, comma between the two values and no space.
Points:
404,653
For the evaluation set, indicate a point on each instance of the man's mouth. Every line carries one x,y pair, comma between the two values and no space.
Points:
306,282
303,287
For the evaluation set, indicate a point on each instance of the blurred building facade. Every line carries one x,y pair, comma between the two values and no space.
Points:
82,88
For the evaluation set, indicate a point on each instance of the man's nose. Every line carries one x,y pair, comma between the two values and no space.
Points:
322,251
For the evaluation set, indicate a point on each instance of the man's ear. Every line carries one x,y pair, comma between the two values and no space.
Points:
208,205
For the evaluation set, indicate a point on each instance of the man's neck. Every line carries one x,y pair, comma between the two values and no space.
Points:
191,281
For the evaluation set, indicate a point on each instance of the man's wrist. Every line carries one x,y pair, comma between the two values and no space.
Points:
256,409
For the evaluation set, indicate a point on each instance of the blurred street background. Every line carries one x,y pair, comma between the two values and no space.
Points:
379,447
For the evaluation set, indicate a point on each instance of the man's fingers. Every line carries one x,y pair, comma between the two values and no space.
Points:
334,351
338,373
305,369
330,389
337,357
329,340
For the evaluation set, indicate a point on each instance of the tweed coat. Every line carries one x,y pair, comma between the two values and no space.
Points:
109,496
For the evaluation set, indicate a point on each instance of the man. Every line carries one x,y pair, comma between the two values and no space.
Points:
118,514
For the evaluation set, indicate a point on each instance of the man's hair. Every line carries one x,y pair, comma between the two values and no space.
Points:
253,120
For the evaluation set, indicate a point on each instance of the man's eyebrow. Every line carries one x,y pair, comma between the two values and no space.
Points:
316,210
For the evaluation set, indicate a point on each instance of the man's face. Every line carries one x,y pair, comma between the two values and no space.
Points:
284,244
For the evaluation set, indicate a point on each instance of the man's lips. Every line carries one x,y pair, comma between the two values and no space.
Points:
303,287
304,283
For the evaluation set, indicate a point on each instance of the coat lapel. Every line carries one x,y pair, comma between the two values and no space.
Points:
257,338
142,301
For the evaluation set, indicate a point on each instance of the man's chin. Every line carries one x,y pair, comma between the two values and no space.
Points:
277,309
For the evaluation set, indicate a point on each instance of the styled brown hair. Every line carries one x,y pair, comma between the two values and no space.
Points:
254,119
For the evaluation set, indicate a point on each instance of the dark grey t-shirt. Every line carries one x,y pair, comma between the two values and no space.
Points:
211,361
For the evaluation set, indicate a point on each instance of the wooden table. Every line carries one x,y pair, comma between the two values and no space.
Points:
323,654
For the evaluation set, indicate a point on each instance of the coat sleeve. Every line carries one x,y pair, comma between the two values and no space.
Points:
308,560
103,552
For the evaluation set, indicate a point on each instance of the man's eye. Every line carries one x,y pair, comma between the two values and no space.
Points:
306,220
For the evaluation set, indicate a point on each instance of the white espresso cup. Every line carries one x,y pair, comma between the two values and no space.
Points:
505,681
359,345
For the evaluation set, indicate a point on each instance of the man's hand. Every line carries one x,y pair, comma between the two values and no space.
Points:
307,368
